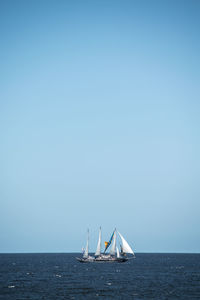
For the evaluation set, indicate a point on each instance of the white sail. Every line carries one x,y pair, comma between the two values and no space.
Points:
85,254
118,254
125,246
98,251
112,250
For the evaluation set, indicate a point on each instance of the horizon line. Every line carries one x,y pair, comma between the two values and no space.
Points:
78,252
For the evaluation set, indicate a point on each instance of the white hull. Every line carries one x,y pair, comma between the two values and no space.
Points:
102,259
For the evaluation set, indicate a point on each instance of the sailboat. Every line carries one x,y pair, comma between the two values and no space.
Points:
114,255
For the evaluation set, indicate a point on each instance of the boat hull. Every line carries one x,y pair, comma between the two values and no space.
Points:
102,260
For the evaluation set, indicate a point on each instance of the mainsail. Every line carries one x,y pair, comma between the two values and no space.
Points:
107,244
98,251
112,250
118,254
125,246
85,255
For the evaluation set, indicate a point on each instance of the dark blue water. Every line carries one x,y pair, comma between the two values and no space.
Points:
60,276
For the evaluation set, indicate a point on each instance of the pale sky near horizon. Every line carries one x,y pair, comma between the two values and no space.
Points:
99,124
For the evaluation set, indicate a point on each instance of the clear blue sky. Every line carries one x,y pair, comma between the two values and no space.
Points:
99,124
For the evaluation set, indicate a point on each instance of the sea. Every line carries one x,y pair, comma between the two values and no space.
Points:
61,276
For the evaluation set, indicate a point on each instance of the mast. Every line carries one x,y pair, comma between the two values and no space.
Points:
85,255
98,251
125,246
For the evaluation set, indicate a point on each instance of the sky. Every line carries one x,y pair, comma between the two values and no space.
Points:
99,124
